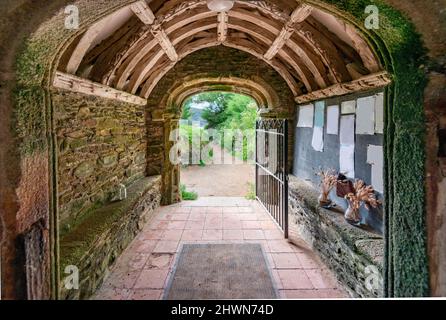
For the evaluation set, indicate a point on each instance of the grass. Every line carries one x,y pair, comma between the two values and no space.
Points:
188,195
251,195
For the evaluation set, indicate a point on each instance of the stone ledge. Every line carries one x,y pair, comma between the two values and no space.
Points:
95,243
347,250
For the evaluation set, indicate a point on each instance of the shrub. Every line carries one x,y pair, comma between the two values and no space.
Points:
188,195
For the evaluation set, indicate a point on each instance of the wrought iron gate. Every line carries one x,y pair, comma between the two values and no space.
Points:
272,169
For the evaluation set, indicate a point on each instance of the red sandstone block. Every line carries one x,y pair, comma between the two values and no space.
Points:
192,235
166,246
176,225
312,294
277,246
273,234
294,279
152,279
307,261
213,222
247,217
145,294
286,261
172,235
111,294
251,225
122,279
214,210
194,225
212,234
143,246
159,261
180,217
197,217
233,234
252,234
151,234
230,223
180,210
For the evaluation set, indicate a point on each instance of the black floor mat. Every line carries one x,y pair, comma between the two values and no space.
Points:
221,271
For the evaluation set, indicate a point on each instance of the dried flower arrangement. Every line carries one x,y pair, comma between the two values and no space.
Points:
328,182
362,194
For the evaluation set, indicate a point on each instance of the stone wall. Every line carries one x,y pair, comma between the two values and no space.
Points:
218,62
307,160
354,255
94,244
101,143
211,62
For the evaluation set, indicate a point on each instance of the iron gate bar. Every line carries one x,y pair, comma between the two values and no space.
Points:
272,169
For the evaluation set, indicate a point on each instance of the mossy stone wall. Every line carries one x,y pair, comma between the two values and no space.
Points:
101,143
402,53
218,62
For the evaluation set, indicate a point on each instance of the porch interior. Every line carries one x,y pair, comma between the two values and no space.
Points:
144,269
91,119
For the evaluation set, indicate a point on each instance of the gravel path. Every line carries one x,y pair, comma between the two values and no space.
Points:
224,180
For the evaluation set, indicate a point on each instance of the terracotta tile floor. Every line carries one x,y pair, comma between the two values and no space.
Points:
142,271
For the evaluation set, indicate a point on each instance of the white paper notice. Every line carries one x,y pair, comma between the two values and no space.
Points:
375,157
318,131
347,149
365,116
332,119
306,115
347,160
348,107
379,113
318,139
347,130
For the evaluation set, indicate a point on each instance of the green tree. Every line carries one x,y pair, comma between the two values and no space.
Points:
187,114
215,114
230,111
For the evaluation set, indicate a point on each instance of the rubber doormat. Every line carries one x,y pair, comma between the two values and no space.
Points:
221,271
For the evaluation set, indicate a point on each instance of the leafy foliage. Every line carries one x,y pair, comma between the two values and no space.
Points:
229,111
217,112
251,195
187,114
188,195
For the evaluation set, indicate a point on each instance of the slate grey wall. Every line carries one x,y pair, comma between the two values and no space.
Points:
308,161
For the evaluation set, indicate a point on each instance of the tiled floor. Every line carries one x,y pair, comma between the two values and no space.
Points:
143,269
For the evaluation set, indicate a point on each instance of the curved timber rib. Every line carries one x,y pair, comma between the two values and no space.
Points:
297,42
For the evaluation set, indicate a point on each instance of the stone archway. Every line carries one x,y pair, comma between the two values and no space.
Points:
33,106
261,92
256,79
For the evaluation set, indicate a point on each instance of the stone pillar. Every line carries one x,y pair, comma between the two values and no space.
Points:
155,143
171,170
161,139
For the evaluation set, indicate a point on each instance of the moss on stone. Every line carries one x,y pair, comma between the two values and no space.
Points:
75,245
403,54
29,119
